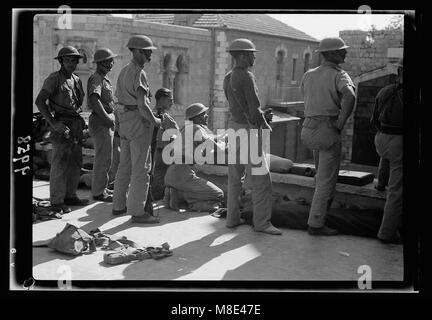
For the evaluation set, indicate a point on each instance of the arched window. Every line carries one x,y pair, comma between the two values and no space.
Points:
280,66
181,81
166,82
306,62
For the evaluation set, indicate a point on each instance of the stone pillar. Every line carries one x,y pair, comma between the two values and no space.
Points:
220,105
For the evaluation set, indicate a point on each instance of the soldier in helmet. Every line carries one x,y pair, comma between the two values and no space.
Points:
164,101
241,92
136,123
64,92
329,99
101,122
181,180
388,119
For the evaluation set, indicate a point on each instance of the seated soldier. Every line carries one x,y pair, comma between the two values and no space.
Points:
164,101
181,181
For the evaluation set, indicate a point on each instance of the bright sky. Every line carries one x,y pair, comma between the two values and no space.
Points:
328,25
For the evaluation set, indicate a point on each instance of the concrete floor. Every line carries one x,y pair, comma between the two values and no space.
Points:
203,249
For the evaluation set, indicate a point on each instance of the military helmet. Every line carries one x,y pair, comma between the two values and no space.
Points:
163,92
331,44
195,109
103,54
140,42
67,52
242,45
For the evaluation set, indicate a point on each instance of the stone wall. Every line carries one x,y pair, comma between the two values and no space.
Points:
90,32
363,56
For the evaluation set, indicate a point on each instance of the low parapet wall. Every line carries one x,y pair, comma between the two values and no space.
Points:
296,187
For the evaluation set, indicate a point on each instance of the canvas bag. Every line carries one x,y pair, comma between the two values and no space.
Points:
72,240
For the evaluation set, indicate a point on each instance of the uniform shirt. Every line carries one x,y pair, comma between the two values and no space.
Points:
241,92
388,110
167,123
189,148
131,77
65,94
322,87
100,84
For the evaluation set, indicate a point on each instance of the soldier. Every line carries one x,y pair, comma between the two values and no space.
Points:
101,122
388,119
136,122
64,92
329,99
164,101
181,180
242,94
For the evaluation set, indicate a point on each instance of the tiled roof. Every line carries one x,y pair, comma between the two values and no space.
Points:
258,23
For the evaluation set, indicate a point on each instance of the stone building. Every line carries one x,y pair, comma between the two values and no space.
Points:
191,58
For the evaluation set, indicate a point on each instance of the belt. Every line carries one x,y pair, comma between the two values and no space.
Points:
323,117
391,130
129,107
67,116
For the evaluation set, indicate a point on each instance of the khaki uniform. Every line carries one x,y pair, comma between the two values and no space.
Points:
102,136
241,92
388,118
160,168
65,99
135,138
196,191
321,88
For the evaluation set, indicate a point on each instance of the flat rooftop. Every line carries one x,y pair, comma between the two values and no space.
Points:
204,249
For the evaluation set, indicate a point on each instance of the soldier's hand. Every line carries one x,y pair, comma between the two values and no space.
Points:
268,115
60,127
157,122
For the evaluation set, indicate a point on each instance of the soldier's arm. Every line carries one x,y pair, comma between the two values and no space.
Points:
251,94
144,107
100,110
347,106
346,88
42,106
377,110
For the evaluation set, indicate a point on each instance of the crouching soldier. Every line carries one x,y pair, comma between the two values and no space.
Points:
64,92
181,180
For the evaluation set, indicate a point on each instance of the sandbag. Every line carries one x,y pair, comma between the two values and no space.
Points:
303,169
279,164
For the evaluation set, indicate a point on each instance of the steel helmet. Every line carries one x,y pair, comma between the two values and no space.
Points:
331,44
195,109
68,51
140,42
103,54
242,45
